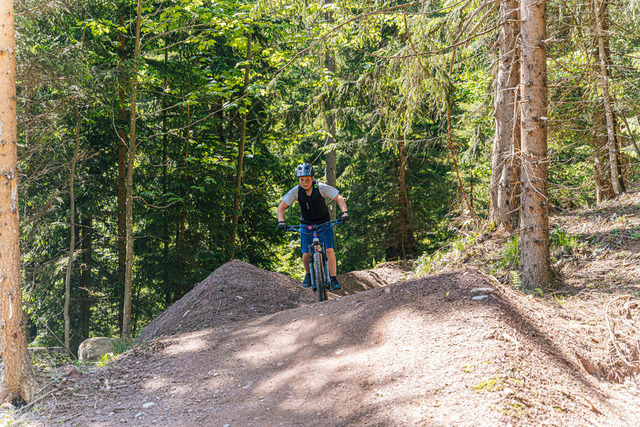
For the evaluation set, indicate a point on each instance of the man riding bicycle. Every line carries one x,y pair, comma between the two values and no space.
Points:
311,194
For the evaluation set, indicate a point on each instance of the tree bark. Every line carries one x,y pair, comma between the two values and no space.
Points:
165,186
505,162
18,379
128,282
604,77
72,240
243,132
602,171
534,219
407,238
123,116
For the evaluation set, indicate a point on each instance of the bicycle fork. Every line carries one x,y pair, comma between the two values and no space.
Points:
316,246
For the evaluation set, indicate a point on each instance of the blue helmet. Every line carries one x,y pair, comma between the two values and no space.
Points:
304,169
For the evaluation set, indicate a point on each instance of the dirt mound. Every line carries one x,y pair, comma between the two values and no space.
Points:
451,349
240,291
384,274
235,291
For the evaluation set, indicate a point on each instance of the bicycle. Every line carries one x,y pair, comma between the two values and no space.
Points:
318,262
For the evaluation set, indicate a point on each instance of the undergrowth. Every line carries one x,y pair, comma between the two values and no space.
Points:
446,257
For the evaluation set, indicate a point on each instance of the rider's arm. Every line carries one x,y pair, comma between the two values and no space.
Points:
340,200
281,207
287,200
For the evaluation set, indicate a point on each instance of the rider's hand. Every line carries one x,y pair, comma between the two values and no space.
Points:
282,226
345,216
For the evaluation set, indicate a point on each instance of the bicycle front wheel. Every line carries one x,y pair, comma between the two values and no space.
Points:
318,275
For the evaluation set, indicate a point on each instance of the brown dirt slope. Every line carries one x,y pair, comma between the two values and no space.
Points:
235,291
593,305
240,291
384,274
456,348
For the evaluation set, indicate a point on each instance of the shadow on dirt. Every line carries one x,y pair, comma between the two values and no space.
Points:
403,354
420,352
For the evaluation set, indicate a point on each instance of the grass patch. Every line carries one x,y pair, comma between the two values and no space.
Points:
491,384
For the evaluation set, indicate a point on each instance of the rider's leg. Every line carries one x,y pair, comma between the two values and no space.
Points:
331,257
305,261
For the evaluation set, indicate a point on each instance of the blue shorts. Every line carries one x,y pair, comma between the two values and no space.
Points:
306,238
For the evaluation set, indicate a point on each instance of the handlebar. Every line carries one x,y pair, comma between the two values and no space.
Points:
315,227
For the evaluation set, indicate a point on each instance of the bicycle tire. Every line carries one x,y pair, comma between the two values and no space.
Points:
319,277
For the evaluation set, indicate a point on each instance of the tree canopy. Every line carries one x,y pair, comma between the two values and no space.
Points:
410,92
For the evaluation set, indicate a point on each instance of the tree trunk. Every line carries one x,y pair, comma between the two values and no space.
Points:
407,238
534,219
85,289
18,379
179,285
243,132
602,171
505,162
177,291
122,179
604,77
128,282
330,157
165,186
72,244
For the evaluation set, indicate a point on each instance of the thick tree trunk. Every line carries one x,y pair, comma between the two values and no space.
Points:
505,163
18,379
616,179
243,132
128,282
534,219
85,289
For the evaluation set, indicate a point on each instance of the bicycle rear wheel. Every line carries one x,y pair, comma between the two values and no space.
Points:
318,276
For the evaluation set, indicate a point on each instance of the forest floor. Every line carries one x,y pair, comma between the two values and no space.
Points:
249,347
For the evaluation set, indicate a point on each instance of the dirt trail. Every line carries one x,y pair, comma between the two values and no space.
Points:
421,352
456,348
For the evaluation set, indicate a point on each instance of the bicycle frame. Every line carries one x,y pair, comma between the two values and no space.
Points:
318,255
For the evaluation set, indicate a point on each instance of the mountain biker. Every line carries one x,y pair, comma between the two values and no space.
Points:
311,194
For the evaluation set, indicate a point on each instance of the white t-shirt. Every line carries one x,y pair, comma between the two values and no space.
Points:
325,191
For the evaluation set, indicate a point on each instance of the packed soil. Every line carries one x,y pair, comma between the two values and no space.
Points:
249,347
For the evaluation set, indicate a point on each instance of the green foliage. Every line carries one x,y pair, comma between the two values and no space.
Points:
510,258
559,238
446,258
398,93
516,281
104,360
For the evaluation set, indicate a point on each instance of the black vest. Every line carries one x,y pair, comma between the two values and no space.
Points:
314,208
